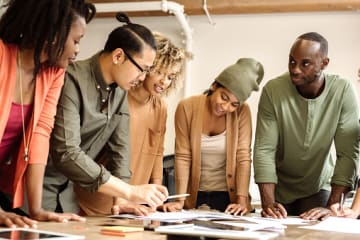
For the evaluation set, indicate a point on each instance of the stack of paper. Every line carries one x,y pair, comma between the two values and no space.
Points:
120,230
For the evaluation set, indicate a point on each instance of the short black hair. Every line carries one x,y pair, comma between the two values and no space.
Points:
316,37
32,24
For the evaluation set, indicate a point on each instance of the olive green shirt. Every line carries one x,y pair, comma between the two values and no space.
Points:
294,136
91,116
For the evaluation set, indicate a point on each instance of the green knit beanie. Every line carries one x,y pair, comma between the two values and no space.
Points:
242,78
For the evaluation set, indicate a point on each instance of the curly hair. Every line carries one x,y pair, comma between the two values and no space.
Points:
168,55
33,24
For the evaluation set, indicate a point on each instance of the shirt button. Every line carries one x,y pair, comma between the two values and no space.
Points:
103,100
229,176
231,189
107,88
98,87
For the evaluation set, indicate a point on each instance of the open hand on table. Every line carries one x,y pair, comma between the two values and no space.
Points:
318,213
43,215
237,209
10,219
274,210
137,209
172,206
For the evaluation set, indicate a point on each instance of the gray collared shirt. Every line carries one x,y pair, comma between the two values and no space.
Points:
91,117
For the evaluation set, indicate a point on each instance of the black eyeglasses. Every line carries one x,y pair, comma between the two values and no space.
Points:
142,71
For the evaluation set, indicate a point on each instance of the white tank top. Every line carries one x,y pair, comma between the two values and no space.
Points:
213,163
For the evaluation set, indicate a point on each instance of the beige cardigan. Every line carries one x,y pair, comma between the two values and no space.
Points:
188,127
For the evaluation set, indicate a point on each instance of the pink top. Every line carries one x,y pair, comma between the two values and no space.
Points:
48,85
11,139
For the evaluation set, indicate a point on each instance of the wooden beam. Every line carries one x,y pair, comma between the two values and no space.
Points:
194,7
275,6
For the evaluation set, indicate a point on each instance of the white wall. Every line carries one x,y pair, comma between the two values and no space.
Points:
266,37
2,9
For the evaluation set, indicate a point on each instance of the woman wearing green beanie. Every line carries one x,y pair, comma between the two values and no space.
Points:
213,142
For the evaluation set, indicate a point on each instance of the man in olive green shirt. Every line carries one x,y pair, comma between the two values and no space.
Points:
90,116
90,141
301,113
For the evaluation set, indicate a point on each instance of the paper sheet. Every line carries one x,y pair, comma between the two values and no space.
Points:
191,230
255,226
178,216
337,224
283,221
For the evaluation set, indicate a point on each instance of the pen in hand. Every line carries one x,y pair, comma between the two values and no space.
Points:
178,196
342,201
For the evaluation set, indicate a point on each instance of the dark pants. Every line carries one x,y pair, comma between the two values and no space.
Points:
218,200
301,205
6,205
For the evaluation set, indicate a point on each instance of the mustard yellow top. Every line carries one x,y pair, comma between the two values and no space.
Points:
147,132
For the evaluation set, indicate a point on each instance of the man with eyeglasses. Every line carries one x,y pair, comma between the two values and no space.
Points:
90,141
142,71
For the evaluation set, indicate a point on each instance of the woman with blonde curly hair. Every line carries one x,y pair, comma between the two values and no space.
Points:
148,113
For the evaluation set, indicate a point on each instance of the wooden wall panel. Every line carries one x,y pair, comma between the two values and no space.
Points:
194,7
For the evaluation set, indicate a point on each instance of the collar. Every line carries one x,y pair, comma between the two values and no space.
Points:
100,82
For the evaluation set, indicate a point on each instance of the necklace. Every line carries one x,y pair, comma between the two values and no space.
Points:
26,140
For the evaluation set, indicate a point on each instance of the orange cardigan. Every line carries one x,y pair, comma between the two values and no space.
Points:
47,90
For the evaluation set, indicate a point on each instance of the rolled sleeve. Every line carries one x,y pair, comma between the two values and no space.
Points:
347,140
